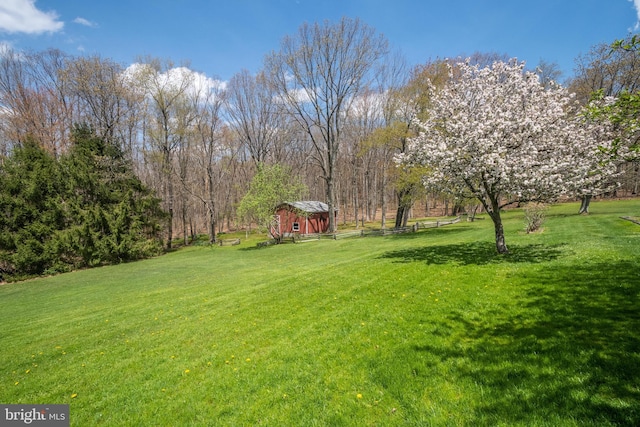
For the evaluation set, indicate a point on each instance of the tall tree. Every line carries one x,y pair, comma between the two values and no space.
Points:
610,71
100,86
609,75
84,209
317,74
110,215
166,89
254,115
210,154
496,134
30,189
406,99
363,118
32,90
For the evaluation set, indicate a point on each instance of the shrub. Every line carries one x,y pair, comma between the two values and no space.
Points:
534,216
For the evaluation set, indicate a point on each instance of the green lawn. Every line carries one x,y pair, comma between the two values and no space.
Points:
421,329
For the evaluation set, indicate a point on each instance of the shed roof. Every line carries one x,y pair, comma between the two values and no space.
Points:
309,206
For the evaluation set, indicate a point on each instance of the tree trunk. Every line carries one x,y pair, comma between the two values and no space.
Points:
185,233
404,206
636,180
212,225
584,206
330,182
383,201
494,213
211,206
400,216
169,193
501,245
356,203
193,231
331,204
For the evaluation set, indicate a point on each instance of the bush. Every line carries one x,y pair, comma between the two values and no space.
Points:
534,216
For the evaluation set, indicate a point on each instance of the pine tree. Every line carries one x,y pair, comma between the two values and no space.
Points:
86,209
30,192
112,216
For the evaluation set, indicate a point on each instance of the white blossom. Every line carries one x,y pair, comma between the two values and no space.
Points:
498,135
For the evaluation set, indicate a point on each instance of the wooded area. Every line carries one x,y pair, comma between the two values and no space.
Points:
334,106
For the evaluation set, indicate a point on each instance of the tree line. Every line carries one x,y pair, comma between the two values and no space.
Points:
334,106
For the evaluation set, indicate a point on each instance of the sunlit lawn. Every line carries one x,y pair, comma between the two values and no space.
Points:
430,328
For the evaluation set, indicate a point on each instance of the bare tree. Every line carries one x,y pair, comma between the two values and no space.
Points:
549,73
407,101
34,100
398,111
166,88
357,158
186,112
252,110
317,74
210,153
100,87
611,70
605,69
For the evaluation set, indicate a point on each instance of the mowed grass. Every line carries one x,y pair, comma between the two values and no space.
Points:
422,329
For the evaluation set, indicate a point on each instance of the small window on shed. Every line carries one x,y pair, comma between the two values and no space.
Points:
296,226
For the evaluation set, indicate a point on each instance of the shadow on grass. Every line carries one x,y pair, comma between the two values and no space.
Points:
476,253
570,350
433,232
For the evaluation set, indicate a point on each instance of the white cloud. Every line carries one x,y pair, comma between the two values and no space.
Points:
202,82
22,16
198,84
636,4
85,22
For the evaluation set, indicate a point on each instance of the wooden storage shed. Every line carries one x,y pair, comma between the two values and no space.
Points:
304,217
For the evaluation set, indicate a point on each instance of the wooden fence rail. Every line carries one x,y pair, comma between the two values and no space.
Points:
435,224
382,232
228,242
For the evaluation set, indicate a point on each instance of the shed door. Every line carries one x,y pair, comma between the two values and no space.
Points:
274,228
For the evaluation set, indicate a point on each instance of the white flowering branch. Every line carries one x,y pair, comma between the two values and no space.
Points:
499,135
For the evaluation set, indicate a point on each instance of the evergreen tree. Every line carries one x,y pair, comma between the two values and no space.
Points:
86,209
112,217
30,191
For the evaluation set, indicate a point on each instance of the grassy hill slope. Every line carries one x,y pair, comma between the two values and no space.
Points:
430,328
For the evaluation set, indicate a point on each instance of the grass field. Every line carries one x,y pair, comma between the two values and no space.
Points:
430,328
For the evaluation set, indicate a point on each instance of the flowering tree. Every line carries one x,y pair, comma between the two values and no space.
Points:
498,135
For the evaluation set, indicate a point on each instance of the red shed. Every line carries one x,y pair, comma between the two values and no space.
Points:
305,217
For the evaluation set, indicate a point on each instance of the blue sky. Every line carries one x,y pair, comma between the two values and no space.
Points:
222,37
